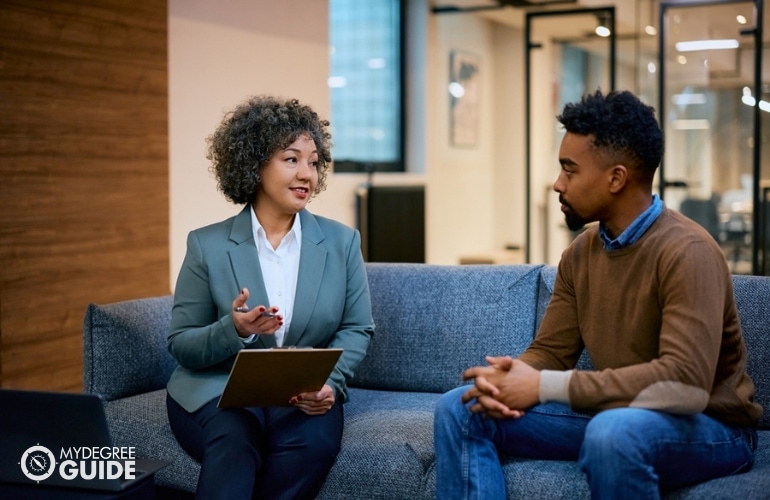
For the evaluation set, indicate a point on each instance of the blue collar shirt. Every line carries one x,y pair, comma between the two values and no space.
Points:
634,231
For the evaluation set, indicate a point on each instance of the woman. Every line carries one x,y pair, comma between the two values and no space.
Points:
271,155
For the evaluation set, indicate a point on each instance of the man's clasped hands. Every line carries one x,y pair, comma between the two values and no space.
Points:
502,389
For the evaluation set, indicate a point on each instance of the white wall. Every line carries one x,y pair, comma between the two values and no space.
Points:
222,51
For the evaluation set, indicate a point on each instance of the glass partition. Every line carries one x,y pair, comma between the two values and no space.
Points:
708,114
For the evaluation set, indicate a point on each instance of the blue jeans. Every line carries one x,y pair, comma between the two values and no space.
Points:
624,452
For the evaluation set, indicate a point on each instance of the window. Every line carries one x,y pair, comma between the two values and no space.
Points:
366,85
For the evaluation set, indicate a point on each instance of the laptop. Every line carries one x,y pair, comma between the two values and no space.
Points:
61,440
270,377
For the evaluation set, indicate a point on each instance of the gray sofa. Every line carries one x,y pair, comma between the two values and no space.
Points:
432,322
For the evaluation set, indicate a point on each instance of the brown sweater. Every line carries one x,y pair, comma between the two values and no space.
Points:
659,321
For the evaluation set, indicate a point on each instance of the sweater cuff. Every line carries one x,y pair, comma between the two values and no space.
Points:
554,386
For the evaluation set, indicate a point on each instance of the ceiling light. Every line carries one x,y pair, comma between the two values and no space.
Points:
695,45
650,30
603,25
741,19
603,31
750,101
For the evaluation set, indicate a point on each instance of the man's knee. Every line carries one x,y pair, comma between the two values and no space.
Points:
612,433
450,404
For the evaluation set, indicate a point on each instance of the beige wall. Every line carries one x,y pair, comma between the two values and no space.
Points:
475,202
460,178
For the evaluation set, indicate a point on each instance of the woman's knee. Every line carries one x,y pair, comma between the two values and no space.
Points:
324,451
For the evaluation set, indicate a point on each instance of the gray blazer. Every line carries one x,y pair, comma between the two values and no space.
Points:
332,307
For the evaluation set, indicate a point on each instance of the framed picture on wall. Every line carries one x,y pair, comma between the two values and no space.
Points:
464,98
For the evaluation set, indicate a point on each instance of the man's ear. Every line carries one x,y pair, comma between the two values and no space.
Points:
618,178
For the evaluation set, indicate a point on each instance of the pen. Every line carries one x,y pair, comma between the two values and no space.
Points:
244,309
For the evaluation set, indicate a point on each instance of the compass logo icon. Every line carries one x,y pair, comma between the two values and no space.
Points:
38,463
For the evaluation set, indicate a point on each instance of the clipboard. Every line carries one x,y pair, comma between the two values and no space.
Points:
270,377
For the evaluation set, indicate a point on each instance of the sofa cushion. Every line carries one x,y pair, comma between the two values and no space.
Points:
133,332
545,290
751,295
432,322
387,446
141,421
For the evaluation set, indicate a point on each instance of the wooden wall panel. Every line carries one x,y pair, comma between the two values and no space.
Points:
83,174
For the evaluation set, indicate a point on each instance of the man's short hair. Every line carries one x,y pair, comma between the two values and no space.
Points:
621,125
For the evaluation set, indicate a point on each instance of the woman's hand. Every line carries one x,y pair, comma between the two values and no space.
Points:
314,403
259,320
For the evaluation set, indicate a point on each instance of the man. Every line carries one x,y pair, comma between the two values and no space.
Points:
648,294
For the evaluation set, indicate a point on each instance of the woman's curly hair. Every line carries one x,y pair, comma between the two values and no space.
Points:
622,125
255,130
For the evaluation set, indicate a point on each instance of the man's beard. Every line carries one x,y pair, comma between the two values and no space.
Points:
573,220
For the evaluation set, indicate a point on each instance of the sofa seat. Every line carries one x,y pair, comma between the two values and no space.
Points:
141,421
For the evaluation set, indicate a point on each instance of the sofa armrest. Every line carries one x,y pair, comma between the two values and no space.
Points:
124,347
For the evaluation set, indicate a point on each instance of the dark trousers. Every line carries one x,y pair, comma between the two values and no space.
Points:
263,453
